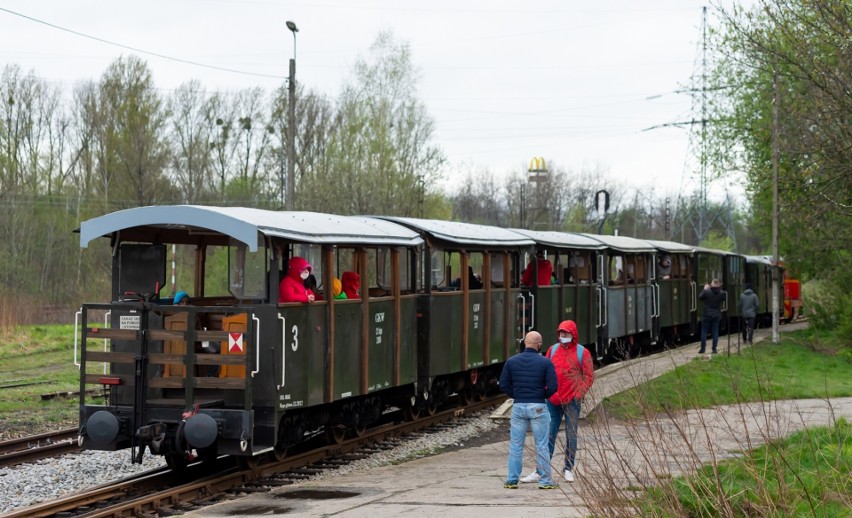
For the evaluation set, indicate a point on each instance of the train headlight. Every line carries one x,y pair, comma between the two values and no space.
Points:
201,430
102,428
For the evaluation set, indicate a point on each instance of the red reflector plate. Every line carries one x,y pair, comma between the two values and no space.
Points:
106,380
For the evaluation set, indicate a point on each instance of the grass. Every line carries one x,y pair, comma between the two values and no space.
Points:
43,355
691,459
807,474
793,369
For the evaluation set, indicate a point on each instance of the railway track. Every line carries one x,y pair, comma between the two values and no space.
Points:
36,447
163,491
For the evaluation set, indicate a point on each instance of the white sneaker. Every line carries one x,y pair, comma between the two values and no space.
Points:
531,478
569,475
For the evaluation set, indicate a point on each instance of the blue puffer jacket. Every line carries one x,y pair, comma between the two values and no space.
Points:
528,377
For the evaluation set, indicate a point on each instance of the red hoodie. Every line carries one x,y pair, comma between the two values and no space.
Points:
292,287
574,382
351,282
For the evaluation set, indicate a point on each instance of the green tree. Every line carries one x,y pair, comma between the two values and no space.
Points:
379,158
796,54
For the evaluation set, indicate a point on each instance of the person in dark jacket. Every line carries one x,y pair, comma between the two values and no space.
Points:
749,304
713,296
530,379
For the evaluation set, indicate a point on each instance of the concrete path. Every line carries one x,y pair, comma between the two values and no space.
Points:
615,460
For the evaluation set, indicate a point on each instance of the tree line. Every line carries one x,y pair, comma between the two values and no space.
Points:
119,142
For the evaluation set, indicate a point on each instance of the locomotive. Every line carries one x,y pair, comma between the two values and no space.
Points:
441,307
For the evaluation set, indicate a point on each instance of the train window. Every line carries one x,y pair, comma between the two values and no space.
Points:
640,269
475,262
437,273
616,270
246,271
405,285
497,270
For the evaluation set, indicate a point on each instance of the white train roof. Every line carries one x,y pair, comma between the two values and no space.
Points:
671,246
464,233
623,243
561,239
196,223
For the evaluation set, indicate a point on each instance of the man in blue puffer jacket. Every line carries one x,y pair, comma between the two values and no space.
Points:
530,379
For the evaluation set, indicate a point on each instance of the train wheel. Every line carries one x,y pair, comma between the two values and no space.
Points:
280,452
176,461
335,434
360,429
411,413
431,407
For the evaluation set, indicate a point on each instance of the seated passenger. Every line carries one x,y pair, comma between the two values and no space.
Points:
181,299
474,283
311,285
619,278
292,286
351,285
545,269
337,289
665,267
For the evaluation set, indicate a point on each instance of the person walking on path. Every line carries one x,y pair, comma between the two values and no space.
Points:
575,375
530,379
713,297
749,303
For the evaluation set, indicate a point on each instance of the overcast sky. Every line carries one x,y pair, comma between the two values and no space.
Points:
576,82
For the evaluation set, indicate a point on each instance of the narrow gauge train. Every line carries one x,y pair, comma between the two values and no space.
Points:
441,307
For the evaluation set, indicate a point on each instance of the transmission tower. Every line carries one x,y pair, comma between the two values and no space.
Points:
691,210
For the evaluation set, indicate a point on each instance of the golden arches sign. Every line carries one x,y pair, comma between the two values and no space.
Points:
538,169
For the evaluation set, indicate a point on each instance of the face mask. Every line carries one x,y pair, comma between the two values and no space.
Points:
304,275
566,340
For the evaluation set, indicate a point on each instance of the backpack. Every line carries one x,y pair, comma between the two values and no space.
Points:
580,350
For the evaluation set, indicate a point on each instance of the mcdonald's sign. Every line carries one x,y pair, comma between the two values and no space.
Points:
538,169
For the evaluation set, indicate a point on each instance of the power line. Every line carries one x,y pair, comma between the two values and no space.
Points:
141,51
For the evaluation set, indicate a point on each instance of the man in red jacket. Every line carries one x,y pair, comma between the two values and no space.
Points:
575,374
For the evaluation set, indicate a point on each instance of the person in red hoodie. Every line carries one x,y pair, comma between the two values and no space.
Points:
292,286
545,271
351,284
575,374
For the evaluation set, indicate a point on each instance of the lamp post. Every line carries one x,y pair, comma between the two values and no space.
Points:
291,125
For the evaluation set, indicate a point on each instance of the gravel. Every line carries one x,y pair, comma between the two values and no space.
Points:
29,484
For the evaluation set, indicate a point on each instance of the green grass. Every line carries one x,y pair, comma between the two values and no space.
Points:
794,369
807,474
39,353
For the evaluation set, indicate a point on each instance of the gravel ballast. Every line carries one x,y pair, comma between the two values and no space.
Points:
30,484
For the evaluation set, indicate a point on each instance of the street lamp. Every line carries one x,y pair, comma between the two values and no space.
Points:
291,125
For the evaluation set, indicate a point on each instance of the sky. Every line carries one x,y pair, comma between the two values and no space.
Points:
584,84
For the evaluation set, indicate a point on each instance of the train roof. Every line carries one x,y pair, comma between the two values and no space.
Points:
464,233
623,243
763,259
561,239
195,223
672,246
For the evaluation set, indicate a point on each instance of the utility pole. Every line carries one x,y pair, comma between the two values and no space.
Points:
291,126
776,338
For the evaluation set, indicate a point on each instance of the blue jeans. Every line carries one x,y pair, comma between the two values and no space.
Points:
713,322
571,413
525,415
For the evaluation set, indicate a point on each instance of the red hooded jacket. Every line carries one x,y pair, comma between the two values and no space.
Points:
574,380
292,287
351,282
545,270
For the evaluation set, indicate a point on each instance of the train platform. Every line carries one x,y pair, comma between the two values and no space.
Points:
613,458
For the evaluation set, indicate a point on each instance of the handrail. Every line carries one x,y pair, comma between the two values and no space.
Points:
256,344
694,287
523,315
605,306
600,301
106,321
76,332
283,349
532,311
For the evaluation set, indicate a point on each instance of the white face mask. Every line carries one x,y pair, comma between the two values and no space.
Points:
304,275
566,340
